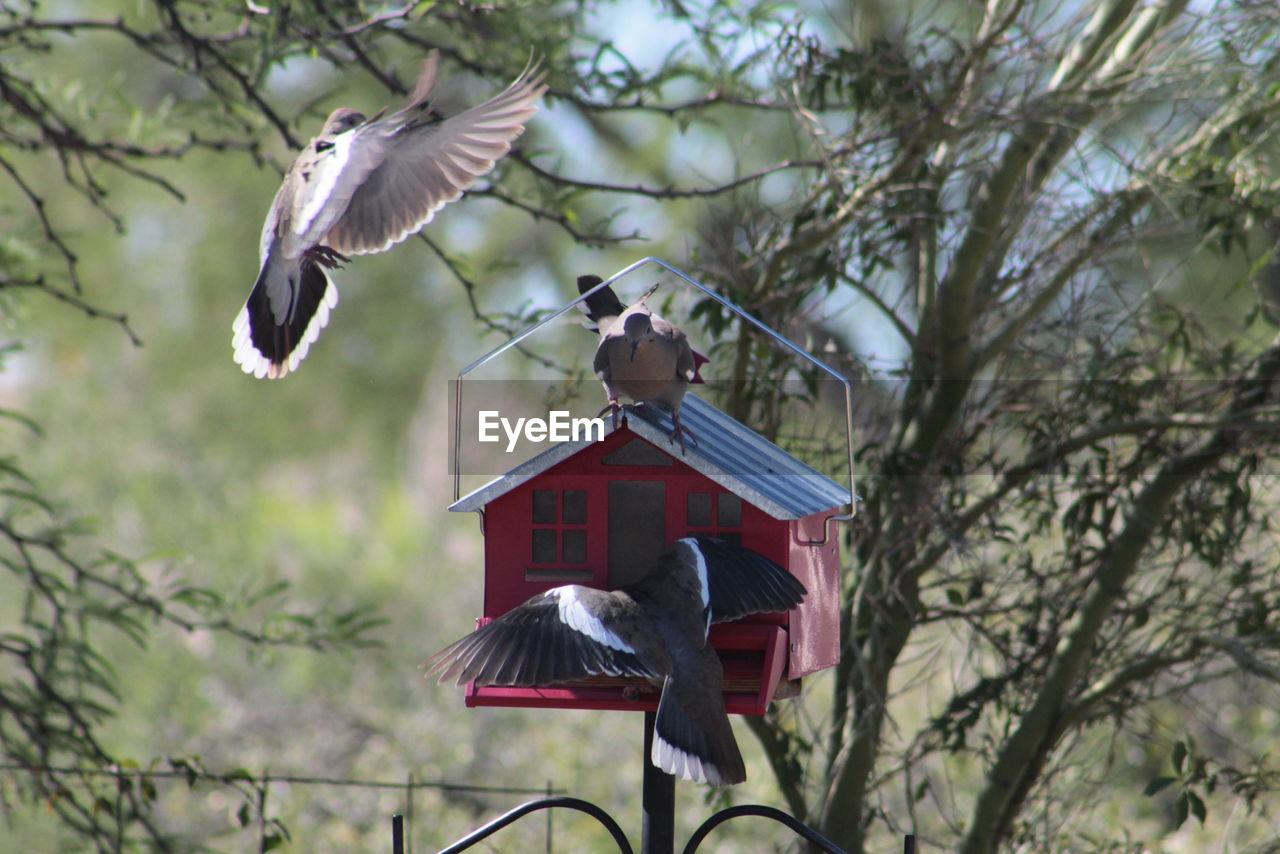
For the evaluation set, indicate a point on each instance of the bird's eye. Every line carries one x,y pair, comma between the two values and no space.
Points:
345,123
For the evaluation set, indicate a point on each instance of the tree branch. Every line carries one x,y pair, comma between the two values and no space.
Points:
1024,753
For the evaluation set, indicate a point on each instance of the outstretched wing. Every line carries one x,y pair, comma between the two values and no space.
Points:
740,581
427,164
562,635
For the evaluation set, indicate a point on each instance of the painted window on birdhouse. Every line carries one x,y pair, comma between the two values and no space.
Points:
714,514
559,534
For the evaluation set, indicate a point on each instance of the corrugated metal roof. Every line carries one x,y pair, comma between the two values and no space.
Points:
726,451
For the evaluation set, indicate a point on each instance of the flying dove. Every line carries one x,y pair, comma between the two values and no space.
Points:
656,629
640,355
361,186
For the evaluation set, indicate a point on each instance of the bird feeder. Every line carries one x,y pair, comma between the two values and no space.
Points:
598,513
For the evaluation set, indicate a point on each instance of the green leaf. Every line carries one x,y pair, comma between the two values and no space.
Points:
1197,806
976,590
1180,756
1180,811
26,422
197,597
1157,784
244,816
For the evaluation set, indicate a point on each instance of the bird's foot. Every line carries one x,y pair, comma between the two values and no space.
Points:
679,431
326,257
614,408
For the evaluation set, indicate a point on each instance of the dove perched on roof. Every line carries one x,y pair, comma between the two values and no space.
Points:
640,356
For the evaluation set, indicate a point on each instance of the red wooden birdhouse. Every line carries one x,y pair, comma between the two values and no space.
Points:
599,513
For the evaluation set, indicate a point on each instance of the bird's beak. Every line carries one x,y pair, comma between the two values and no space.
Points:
634,345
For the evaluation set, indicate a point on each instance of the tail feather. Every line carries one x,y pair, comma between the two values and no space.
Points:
693,737
272,339
601,305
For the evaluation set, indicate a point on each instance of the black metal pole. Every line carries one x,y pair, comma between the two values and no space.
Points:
397,834
658,829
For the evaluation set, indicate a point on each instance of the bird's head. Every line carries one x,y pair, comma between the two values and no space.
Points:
635,328
342,120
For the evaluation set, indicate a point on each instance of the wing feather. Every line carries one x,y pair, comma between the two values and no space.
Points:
430,163
742,581
541,642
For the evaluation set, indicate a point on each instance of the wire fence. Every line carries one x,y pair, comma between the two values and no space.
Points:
115,804
270,833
